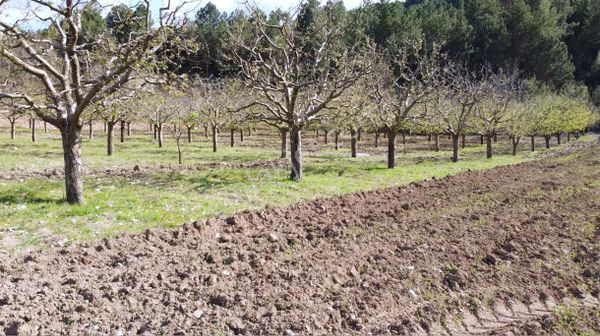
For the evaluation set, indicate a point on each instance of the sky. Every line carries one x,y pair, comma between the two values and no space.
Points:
15,9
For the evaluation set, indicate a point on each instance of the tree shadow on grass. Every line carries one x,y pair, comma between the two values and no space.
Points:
20,198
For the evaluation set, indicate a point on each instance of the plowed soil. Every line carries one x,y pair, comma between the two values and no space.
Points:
495,252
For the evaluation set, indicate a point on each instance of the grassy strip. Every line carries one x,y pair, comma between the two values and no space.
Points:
32,213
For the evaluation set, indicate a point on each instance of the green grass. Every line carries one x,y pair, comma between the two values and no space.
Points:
32,213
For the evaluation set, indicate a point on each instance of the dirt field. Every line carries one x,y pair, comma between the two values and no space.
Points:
509,251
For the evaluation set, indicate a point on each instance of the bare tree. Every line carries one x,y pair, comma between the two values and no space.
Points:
455,104
60,65
499,90
401,86
295,76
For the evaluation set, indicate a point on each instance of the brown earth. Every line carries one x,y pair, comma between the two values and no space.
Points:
490,252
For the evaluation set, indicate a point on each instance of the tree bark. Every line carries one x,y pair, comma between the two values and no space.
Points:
12,129
391,155
337,140
283,135
45,127
463,140
547,138
71,142
90,130
488,146
376,139
436,144
178,142
189,134
316,135
455,147
515,143
128,129
32,129
326,136
110,135
429,137
241,135
353,141
155,131
105,127
532,143
359,135
296,153
159,134
214,139
568,136
558,138
481,139
205,132
232,136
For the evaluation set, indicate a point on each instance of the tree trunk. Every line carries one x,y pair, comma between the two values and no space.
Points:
159,134
29,126
232,140
214,139
45,127
155,131
515,144
105,127
359,135
12,129
568,136
283,136
296,153
495,137
151,127
337,140
110,134
376,139
326,136
316,135
391,155
488,146
436,144
547,138
90,130
558,138
429,137
353,141
455,147
189,134
249,132
71,141
463,140
178,142
532,143
403,142
205,132
128,129
32,129
481,139
241,135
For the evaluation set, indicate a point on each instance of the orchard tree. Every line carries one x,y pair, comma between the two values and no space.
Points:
456,102
402,86
60,65
296,75
499,91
